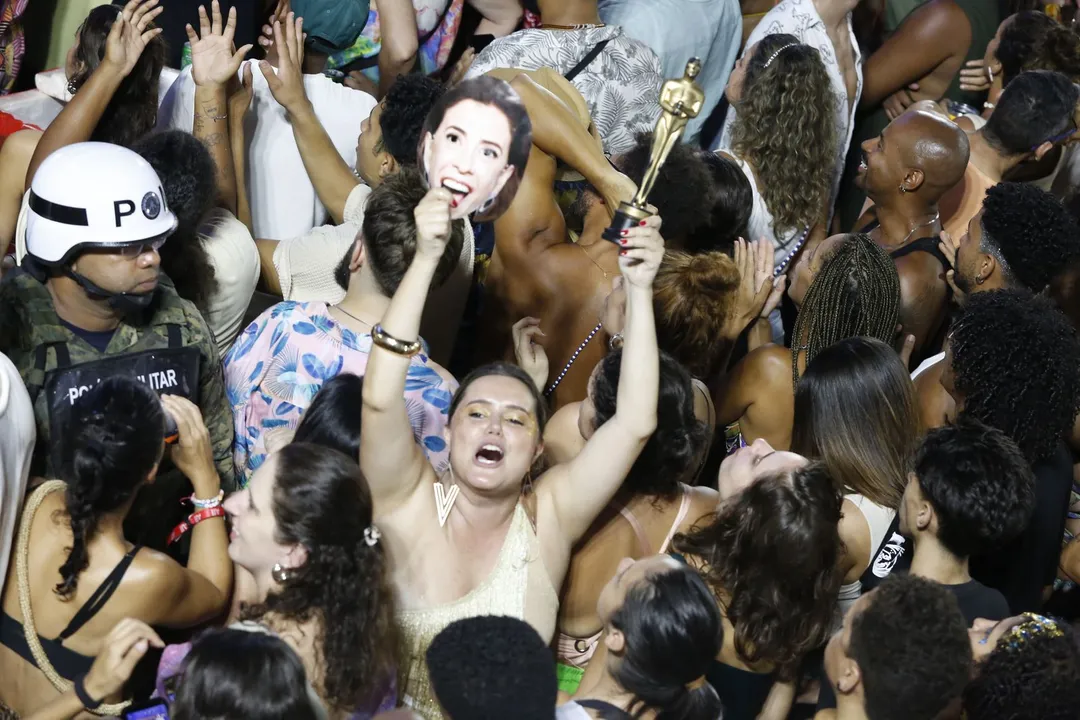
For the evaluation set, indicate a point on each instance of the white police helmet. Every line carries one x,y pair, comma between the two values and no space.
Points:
94,195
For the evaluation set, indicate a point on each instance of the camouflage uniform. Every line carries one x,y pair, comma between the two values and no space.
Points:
28,319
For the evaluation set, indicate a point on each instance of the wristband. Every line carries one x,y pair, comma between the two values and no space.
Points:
194,519
84,697
204,504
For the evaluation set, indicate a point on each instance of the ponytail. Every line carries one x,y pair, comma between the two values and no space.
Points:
673,633
115,442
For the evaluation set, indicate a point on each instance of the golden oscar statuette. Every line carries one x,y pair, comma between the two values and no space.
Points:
680,102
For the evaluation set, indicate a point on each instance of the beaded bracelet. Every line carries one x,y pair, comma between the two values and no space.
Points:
204,504
194,519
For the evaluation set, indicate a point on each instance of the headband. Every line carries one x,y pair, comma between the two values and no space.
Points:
778,51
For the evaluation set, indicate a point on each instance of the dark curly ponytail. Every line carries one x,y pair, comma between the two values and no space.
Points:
322,502
111,446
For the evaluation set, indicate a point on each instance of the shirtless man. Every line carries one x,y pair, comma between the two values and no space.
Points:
905,171
535,271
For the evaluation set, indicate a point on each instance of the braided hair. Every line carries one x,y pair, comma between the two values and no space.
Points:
113,444
856,293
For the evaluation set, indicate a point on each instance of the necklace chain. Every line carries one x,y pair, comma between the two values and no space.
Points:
918,227
362,322
579,26
570,362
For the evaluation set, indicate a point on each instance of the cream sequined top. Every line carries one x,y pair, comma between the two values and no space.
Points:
519,586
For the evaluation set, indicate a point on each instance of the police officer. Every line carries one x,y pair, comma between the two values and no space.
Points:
89,301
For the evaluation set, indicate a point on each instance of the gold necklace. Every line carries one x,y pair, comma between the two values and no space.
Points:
592,260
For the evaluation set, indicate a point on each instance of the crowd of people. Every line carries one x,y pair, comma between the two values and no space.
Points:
330,386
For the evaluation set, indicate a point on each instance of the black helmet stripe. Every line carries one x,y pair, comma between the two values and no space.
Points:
64,214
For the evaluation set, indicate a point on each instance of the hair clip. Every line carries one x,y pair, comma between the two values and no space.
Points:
1033,626
779,50
371,535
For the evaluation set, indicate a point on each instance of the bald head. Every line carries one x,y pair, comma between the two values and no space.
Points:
935,145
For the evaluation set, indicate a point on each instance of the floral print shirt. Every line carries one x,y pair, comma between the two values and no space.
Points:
282,359
621,85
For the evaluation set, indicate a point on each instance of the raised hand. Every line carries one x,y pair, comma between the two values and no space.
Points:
975,76
192,453
642,251
757,288
131,32
530,356
266,39
124,646
241,94
214,57
432,216
287,85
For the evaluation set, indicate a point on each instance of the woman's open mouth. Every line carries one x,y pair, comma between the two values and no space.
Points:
458,190
489,456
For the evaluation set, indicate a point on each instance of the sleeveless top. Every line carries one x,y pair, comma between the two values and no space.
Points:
761,219
879,519
518,578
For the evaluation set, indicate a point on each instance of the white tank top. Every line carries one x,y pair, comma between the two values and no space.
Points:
879,519
761,219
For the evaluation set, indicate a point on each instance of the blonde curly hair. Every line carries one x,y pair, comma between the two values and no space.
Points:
786,129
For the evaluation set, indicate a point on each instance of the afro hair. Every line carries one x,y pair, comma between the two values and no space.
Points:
491,668
1016,363
1030,231
911,644
1037,680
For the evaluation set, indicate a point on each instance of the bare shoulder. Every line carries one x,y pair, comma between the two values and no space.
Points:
562,439
703,502
770,363
15,155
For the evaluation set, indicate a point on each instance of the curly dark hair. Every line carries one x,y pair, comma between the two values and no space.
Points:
238,673
980,486
389,234
673,632
490,667
855,293
856,411
1016,365
911,643
683,190
322,502
1029,232
132,112
670,453
112,444
782,602
785,129
187,176
732,206
404,109
1032,40
1038,679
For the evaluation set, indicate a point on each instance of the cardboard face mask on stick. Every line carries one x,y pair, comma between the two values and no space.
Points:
475,143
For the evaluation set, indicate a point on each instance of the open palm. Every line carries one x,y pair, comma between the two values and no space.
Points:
214,58
131,32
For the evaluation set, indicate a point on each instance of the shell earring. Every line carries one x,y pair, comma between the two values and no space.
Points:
72,88
281,575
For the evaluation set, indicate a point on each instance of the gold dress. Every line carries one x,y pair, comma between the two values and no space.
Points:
519,579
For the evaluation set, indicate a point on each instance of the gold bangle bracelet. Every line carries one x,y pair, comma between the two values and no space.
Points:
391,343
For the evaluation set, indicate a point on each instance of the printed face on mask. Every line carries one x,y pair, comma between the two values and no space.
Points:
472,145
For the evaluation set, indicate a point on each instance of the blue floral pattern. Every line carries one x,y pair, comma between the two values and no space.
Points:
280,361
